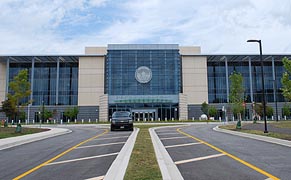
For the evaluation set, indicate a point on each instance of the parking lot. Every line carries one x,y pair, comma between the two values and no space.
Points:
84,159
197,159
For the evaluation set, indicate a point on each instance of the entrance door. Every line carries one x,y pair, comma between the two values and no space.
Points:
143,114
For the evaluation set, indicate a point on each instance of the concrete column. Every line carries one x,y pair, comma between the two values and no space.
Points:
57,82
32,78
251,80
274,79
7,76
226,78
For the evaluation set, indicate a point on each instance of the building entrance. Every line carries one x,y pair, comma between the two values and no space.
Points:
144,114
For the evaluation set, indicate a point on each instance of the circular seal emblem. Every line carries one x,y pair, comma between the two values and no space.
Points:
143,74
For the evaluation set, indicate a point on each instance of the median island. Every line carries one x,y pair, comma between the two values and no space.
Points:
280,129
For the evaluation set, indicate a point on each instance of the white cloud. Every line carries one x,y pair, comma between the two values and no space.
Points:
38,27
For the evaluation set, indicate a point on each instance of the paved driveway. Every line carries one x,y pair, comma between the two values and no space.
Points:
201,153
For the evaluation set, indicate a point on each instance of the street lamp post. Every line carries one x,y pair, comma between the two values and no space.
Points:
263,82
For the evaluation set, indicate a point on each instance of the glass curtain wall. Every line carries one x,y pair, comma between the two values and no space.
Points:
14,69
68,84
165,66
216,82
45,82
122,64
44,86
217,92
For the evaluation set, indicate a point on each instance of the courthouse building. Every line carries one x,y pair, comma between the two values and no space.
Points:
153,81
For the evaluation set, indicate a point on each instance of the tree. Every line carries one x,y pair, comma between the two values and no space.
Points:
269,111
236,96
286,82
204,108
71,112
20,89
9,108
286,110
212,111
259,109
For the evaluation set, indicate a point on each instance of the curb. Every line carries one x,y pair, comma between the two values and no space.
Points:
20,140
118,168
168,168
256,137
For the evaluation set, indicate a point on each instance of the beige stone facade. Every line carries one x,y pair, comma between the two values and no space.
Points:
91,80
183,109
194,76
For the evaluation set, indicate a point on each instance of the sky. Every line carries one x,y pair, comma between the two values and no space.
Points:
41,27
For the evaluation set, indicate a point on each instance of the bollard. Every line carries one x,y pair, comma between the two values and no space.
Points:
220,119
19,122
279,118
89,120
54,121
12,122
96,120
285,118
33,121
68,121
61,121
152,119
159,119
172,119
192,118
165,119
47,121
137,119
82,121
75,121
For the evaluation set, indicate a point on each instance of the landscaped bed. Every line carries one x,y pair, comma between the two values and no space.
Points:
6,132
281,129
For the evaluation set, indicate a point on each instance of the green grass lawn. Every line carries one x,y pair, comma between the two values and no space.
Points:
10,131
143,163
283,124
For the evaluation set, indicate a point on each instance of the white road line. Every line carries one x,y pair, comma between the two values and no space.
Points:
97,145
96,178
179,137
81,159
161,134
109,138
268,179
199,159
180,145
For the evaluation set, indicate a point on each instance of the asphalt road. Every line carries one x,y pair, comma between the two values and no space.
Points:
207,154
89,160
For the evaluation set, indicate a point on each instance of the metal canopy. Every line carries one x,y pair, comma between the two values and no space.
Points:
39,59
210,58
238,58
